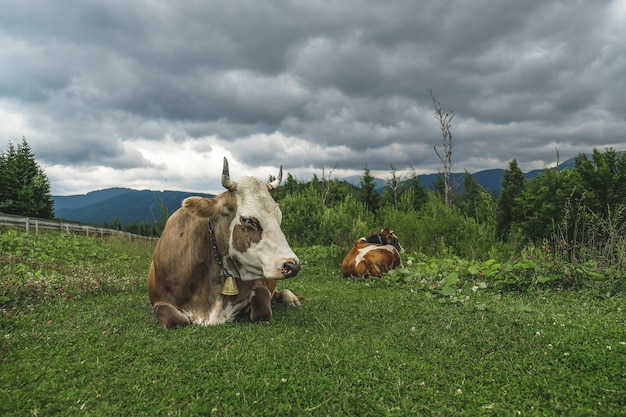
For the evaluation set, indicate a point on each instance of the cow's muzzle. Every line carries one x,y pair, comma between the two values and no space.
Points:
290,269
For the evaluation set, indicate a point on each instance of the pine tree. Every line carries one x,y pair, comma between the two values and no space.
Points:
508,210
476,202
24,187
369,195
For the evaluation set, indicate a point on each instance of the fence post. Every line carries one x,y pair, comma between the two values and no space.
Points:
36,226
27,225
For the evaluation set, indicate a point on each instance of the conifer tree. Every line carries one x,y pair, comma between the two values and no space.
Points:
369,195
508,210
475,201
24,187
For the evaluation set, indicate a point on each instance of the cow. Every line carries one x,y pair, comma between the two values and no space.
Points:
219,258
374,255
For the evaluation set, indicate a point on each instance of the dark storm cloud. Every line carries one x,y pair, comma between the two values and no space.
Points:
312,85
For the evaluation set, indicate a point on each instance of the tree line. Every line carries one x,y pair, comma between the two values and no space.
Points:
580,210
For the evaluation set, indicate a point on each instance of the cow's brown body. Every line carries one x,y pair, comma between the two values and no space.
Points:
185,279
373,256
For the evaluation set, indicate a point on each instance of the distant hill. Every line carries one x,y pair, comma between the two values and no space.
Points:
123,204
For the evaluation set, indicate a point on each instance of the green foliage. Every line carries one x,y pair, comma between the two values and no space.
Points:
535,268
302,216
24,187
345,223
438,230
543,203
603,179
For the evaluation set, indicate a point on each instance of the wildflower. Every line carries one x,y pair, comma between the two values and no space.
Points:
283,380
459,391
475,288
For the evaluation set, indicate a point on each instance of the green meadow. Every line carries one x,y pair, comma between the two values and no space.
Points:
438,337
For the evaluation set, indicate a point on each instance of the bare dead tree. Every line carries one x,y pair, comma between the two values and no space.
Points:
557,157
327,184
395,184
445,121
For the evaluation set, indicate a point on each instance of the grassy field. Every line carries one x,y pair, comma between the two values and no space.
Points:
78,337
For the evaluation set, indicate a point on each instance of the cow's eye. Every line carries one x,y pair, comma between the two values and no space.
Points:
250,222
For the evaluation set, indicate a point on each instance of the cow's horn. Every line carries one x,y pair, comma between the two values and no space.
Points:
226,182
276,182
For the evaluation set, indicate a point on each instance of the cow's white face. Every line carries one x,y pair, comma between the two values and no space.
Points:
258,248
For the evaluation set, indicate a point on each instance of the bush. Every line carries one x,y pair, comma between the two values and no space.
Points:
438,230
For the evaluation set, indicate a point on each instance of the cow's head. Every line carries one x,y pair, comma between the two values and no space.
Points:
247,221
392,239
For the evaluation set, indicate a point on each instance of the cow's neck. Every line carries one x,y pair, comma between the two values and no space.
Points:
229,286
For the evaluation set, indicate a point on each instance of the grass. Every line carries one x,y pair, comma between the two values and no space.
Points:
355,347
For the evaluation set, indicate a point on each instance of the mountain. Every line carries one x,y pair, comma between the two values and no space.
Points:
81,200
123,204
489,179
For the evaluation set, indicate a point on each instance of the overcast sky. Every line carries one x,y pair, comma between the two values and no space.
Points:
152,94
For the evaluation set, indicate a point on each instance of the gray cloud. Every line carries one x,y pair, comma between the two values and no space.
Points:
125,87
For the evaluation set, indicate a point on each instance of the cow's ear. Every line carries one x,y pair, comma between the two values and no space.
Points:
201,207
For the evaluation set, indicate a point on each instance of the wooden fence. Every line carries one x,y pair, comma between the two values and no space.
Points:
33,225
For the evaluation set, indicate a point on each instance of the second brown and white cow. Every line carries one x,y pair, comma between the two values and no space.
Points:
374,255
208,240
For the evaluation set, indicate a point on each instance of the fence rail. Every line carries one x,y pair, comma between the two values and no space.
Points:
32,224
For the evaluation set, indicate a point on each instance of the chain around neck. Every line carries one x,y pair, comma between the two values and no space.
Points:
216,253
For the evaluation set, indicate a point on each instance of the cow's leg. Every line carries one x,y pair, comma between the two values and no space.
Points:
260,305
287,298
169,316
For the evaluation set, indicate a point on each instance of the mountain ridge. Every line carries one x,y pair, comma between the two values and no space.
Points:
125,205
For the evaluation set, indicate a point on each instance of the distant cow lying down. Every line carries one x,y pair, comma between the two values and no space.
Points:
208,242
374,255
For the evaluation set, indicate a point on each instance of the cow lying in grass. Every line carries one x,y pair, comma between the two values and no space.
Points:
219,257
374,255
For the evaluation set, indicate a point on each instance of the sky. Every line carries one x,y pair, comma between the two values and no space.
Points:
153,94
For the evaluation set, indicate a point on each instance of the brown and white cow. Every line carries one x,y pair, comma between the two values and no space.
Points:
374,255
236,233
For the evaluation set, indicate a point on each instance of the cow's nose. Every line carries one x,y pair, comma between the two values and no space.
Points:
290,269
